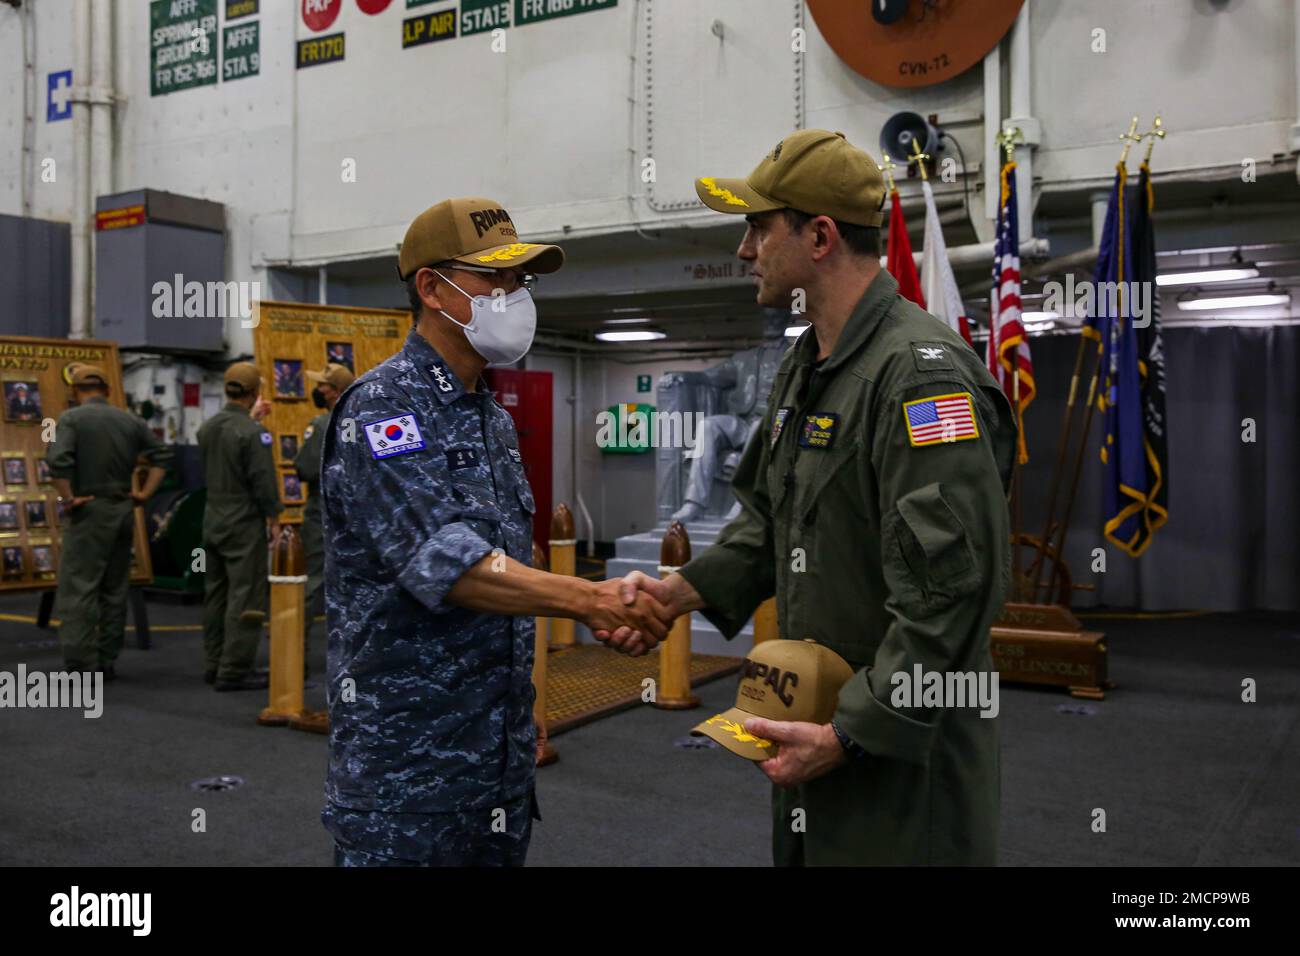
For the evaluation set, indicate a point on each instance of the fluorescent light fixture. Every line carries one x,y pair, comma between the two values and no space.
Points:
1207,275
1046,317
627,321
1262,300
630,335
794,331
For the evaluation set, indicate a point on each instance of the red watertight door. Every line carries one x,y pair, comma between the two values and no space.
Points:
527,397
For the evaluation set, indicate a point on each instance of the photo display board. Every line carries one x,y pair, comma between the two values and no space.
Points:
35,389
291,339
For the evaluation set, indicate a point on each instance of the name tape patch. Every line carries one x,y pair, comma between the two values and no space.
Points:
819,430
940,419
461,458
394,436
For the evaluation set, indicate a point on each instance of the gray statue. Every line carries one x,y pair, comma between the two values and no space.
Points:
746,381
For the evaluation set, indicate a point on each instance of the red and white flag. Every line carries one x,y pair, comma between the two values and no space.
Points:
899,259
938,285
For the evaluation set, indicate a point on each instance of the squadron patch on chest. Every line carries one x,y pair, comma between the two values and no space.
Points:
394,436
819,430
778,423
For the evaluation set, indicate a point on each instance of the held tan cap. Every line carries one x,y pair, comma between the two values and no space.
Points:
476,231
337,375
813,171
84,374
780,680
245,375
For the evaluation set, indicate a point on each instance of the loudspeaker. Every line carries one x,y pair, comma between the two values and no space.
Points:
898,133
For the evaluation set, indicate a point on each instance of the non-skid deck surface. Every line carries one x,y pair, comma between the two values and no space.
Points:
586,682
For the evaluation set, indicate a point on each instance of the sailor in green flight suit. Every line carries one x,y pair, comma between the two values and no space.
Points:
243,503
873,506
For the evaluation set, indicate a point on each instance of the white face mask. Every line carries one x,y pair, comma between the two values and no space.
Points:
504,336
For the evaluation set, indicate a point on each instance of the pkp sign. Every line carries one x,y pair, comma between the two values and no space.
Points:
320,14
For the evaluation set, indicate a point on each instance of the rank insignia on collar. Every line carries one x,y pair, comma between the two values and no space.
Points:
932,355
399,435
514,453
778,423
440,376
458,458
819,430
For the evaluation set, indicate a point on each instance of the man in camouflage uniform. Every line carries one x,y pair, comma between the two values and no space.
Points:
874,509
243,503
330,384
95,450
430,598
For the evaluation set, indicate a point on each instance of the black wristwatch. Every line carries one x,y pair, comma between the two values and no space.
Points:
851,746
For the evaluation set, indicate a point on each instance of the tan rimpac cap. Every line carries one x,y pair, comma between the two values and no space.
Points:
245,375
780,680
813,171
475,231
337,375
84,374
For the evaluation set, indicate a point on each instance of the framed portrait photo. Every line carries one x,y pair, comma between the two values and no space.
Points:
22,400
288,447
340,353
36,514
12,562
15,469
43,475
289,382
291,492
9,516
44,562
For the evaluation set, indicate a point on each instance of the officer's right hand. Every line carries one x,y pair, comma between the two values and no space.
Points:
73,504
644,618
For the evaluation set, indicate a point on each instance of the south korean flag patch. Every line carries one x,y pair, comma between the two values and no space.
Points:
394,436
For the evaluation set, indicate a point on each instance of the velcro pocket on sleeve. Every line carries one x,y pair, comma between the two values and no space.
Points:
932,563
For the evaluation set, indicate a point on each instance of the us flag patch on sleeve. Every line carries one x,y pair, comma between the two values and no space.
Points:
394,436
940,419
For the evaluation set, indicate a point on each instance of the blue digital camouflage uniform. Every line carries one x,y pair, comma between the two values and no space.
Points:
433,760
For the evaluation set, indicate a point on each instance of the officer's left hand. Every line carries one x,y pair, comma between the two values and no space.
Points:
807,750
261,408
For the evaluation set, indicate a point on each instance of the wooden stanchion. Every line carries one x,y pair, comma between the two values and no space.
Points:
765,628
541,646
674,691
564,560
288,580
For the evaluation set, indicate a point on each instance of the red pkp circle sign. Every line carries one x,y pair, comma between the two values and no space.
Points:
373,6
320,14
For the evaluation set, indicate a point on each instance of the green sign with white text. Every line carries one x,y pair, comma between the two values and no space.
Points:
479,16
240,51
182,45
530,11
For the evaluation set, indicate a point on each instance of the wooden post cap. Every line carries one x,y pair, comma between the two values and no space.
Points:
562,523
539,557
287,559
676,547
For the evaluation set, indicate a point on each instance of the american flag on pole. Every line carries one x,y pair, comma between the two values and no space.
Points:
1008,347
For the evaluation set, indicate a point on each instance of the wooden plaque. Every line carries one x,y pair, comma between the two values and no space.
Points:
1046,644
291,338
34,391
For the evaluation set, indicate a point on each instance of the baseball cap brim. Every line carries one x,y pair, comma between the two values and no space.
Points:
728,729
539,257
734,196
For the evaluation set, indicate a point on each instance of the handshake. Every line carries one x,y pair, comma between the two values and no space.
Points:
633,614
